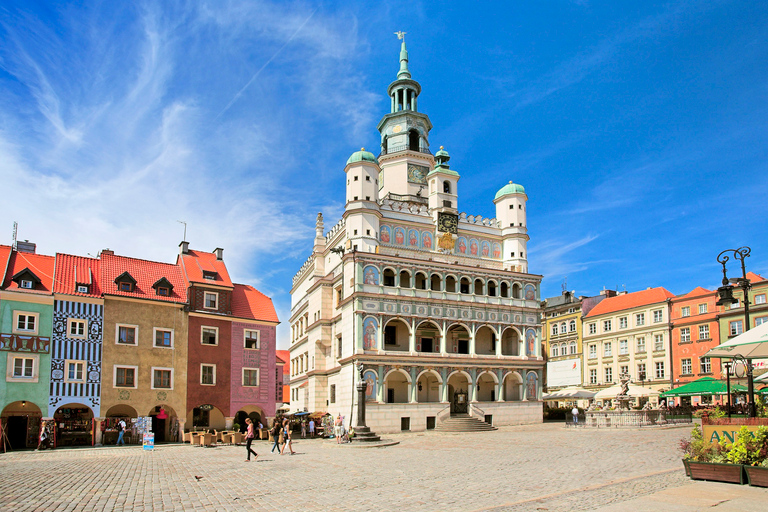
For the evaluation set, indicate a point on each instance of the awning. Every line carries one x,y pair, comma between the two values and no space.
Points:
752,344
634,392
569,392
704,387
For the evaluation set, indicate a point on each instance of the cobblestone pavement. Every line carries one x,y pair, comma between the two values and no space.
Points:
536,467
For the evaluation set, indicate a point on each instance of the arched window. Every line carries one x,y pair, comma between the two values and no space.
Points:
447,187
405,279
389,277
450,284
573,348
434,283
491,289
564,349
413,140
478,287
562,328
555,351
554,329
572,326
504,290
464,285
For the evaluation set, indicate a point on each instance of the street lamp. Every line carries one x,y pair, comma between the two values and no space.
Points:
725,298
728,365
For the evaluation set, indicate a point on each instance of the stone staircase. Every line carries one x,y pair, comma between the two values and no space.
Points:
464,423
364,435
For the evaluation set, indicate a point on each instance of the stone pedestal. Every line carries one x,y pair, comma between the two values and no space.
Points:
362,432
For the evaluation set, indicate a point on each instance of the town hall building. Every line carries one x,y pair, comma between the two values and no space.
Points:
436,305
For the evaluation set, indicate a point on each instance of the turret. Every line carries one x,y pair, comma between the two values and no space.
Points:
362,208
510,212
443,185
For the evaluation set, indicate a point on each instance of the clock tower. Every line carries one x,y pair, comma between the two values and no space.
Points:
405,157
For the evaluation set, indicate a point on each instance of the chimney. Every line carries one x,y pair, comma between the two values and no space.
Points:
184,247
107,251
26,246
608,293
219,252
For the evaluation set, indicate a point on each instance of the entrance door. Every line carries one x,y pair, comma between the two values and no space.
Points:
390,396
158,428
16,430
460,403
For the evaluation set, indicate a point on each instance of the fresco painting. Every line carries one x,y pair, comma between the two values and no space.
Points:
485,249
399,236
530,292
371,275
413,238
370,378
532,386
426,240
370,328
385,234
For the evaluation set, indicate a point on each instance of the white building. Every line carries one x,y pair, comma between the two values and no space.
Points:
436,305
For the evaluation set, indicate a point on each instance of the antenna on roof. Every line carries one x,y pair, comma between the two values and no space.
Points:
185,229
565,284
15,228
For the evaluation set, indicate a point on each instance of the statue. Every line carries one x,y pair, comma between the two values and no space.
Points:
360,369
624,378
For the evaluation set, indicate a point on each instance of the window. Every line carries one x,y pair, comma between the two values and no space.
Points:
623,347
592,328
606,326
593,351
251,339
641,375
23,367
125,376
333,393
339,346
26,322
572,347
210,336
593,376
554,329
760,299
659,369
75,371
736,327
126,334
208,374
704,332
250,377
624,370
555,351
641,344
608,375
640,319
162,378
572,326
706,365
685,311
211,299
126,286
702,308
761,320
687,367
685,334
607,349
623,322
200,417
562,328
658,343
163,338
76,328
26,284
657,316
162,291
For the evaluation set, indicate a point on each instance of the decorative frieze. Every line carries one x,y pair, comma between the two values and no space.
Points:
22,343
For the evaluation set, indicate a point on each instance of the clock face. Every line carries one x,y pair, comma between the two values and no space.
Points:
448,223
397,129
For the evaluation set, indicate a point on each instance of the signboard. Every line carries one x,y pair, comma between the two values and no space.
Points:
566,372
149,441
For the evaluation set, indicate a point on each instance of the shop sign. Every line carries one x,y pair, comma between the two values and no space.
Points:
206,407
149,441
722,433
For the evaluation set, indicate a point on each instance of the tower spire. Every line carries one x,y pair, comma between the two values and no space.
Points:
403,74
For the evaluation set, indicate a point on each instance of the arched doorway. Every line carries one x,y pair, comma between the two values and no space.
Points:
21,424
485,341
510,342
206,417
512,386
397,387
74,425
396,335
427,337
428,385
458,392
251,411
165,423
486,387
458,339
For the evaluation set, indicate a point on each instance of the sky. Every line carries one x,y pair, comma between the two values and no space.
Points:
637,129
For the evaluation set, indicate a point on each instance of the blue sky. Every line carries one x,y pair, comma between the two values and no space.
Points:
639,131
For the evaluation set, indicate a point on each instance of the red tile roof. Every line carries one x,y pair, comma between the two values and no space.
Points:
248,302
5,256
696,292
74,270
753,278
195,262
146,273
285,357
40,265
631,300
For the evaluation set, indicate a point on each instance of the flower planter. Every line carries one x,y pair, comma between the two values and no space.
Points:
687,469
716,472
757,476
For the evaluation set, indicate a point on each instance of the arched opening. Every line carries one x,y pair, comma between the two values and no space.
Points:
458,392
479,287
517,291
413,140
510,343
396,335
554,350
206,417
396,387
165,423
384,145
21,424
251,411
114,415
427,338
389,277
420,281
122,411
504,290
405,279
428,387
446,187
434,283
491,289
486,387
513,387
464,285
74,425
485,341
573,348
450,284
458,339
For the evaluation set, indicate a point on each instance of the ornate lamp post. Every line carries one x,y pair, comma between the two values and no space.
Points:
728,365
725,298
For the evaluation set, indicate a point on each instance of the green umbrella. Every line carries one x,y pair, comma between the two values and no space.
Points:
704,386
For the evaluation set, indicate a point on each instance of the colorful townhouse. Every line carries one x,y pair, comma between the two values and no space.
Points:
731,318
26,315
695,330
232,328
283,376
76,351
144,362
629,333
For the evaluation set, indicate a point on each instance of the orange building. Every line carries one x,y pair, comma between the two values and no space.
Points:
283,371
695,330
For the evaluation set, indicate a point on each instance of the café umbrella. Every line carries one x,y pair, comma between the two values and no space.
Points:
569,392
752,344
704,387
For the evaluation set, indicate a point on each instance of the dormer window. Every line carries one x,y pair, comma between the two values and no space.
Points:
163,287
211,299
208,274
82,288
162,291
125,282
26,279
125,286
26,284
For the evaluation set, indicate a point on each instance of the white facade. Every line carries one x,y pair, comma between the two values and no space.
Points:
435,304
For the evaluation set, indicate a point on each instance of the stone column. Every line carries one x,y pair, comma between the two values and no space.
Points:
498,343
414,387
472,333
444,388
500,385
443,341
182,423
99,433
229,422
380,387
412,338
472,385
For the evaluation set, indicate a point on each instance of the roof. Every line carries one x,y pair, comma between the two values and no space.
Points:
630,300
699,290
561,300
753,278
509,188
362,156
285,357
248,302
146,273
5,256
40,265
77,270
194,263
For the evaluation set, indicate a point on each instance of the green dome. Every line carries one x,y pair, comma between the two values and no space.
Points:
509,188
442,152
362,156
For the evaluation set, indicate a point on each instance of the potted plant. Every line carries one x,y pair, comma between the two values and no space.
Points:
753,453
705,460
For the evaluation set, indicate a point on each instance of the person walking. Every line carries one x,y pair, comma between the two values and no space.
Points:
304,429
312,428
120,432
288,443
338,426
276,431
43,437
250,435
575,413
